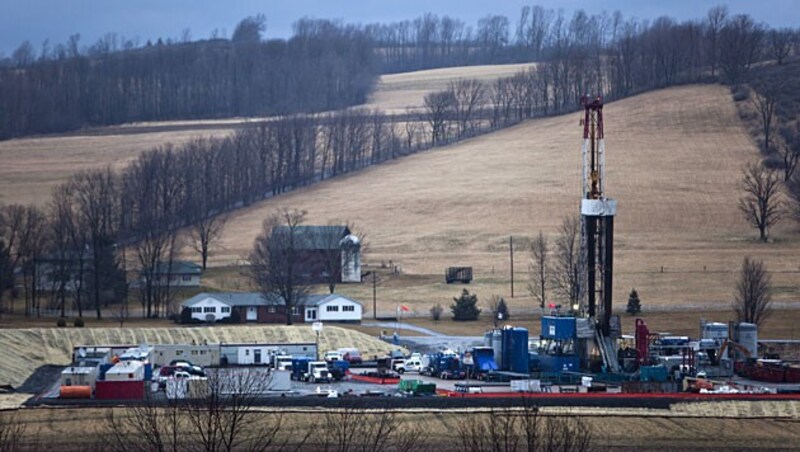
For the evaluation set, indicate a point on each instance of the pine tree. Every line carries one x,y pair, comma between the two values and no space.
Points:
634,305
502,309
465,307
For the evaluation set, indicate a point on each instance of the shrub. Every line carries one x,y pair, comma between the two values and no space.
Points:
740,93
436,312
78,323
186,315
502,308
61,323
465,307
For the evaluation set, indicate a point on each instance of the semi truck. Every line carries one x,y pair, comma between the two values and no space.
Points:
303,369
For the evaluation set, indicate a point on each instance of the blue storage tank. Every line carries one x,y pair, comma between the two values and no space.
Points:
560,328
148,372
515,350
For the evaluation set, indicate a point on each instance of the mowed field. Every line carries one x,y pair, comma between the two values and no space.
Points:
674,159
33,166
395,93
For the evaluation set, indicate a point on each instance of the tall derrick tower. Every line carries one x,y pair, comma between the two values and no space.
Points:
597,220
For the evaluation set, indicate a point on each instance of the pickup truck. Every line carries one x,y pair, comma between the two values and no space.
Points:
413,364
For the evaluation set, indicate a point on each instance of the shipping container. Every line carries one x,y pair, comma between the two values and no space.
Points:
119,390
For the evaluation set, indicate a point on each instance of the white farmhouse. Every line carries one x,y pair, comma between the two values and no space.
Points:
254,307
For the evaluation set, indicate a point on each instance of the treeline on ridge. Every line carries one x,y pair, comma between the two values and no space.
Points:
67,88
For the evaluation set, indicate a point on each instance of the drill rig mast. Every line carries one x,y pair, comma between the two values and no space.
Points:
597,220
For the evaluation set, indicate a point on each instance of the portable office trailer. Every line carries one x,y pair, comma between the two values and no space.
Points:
126,371
143,353
260,354
200,355
79,376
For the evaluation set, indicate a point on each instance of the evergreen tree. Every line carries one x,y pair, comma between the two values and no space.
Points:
634,305
465,307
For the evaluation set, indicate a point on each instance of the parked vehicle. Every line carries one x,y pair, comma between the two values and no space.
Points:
444,366
282,362
351,355
188,367
398,365
303,369
333,356
413,364
338,369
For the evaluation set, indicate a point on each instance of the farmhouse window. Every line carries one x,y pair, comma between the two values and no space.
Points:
332,308
187,277
348,308
295,310
208,309
226,309
271,309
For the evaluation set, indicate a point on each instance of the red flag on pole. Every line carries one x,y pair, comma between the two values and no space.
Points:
551,305
404,308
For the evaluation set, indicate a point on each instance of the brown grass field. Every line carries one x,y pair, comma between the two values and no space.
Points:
674,159
735,425
33,166
395,93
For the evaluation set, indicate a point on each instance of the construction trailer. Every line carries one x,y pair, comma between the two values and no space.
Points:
203,355
79,376
262,354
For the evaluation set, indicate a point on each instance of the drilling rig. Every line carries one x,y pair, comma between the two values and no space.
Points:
597,233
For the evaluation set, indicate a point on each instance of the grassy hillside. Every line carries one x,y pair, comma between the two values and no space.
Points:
33,166
25,350
674,160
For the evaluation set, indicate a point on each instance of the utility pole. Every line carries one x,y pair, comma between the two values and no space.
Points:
511,252
374,296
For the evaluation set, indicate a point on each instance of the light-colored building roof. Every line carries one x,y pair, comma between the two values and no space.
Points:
244,299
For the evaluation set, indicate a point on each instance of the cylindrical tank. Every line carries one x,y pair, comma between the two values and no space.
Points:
497,346
746,335
519,360
76,392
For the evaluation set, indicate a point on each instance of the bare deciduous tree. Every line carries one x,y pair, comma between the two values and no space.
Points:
566,271
780,44
275,264
539,269
753,298
789,150
12,432
761,203
765,97
353,427
216,415
468,99
526,428
438,108
205,233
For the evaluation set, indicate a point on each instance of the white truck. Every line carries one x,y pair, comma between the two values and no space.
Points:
413,364
282,362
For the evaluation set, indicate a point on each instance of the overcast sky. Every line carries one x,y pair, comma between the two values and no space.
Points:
37,20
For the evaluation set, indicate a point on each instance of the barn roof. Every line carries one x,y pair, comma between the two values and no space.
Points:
313,237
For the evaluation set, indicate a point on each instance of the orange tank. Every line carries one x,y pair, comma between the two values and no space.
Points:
76,392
